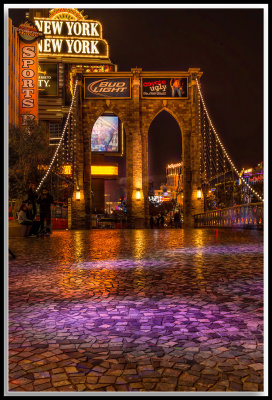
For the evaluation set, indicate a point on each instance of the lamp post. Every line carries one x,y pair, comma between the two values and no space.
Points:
78,194
138,194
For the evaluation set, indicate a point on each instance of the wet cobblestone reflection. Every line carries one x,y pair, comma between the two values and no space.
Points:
137,310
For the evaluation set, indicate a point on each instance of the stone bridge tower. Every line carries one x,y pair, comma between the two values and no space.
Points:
137,114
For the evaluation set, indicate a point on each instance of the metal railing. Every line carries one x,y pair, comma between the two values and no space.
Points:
241,216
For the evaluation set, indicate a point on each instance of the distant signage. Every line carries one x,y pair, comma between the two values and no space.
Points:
48,79
256,178
100,68
167,88
107,88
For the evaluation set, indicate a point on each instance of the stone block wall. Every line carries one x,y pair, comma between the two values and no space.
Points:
136,115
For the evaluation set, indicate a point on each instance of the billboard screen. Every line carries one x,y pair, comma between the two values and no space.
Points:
105,135
167,88
110,88
48,79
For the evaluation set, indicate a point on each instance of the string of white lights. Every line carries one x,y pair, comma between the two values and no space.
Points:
200,136
60,141
222,146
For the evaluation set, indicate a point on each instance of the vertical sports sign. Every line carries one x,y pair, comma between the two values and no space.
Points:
28,83
28,73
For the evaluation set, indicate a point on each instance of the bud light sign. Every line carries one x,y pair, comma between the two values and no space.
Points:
167,88
110,88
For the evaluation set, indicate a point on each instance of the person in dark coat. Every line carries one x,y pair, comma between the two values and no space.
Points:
32,197
177,219
151,222
162,221
45,200
35,224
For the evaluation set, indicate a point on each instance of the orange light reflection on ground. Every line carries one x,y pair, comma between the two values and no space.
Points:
92,272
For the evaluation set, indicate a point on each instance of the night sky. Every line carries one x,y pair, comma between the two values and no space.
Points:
227,44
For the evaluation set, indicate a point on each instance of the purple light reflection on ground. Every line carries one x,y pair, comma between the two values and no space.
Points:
142,316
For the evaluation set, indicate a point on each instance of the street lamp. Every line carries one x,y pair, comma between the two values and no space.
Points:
78,194
198,195
138,194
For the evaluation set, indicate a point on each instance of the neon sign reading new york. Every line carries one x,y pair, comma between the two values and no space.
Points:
71,38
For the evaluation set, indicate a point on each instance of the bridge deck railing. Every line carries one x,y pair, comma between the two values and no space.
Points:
240,216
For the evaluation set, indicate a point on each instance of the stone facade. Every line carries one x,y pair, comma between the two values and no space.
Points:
137,115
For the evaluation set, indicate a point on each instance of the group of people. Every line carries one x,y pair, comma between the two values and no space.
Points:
159,221
28,210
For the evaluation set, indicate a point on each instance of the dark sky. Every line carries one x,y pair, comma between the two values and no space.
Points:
227,44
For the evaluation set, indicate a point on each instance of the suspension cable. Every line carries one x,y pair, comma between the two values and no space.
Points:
222,146
60,141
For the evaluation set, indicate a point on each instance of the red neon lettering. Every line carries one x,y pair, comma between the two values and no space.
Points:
163,82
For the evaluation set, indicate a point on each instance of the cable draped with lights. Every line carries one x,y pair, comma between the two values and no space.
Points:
60,141
215,158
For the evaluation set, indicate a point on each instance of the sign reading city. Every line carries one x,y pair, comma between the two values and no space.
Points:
167,88
68,33
48,79
111,88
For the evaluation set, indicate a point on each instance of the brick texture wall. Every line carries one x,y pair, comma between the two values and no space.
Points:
137,115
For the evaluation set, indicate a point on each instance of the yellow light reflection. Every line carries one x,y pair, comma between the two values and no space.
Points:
139,243
199,262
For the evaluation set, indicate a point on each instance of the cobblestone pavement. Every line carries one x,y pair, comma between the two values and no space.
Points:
137,310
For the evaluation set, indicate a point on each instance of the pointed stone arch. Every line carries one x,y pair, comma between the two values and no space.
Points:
179,121
150,117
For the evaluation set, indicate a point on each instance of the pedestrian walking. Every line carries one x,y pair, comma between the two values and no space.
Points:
151,222
45,200
35,224
162,221
177,220
32,197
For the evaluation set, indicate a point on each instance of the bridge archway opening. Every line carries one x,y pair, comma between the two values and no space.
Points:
164,148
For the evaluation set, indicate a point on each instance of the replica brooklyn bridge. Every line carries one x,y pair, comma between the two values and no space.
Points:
135,240
76,79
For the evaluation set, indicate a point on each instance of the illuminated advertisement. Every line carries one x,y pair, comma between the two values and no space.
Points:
28,72
105,135
104,170
48,79
68,33
107,88
167,88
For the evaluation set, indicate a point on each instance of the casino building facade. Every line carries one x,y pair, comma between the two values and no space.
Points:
106,107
